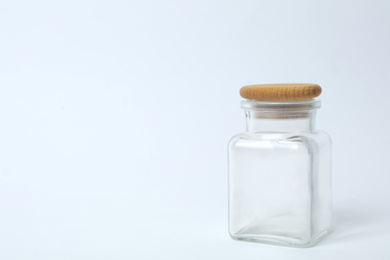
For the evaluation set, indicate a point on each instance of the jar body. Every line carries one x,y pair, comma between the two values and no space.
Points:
280,186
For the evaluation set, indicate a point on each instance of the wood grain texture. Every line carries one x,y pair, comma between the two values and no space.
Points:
280,92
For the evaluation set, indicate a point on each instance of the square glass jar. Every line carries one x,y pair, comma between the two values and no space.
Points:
280,175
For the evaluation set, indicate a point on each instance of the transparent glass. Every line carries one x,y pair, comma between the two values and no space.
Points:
280,175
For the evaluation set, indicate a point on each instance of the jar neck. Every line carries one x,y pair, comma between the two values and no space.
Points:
264,122
280,116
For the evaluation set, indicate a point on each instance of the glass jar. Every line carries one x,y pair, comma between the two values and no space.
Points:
280,175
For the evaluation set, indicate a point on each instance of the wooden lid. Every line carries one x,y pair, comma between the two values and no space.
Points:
280,92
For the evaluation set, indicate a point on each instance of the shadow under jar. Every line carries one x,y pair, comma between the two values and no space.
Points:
280,171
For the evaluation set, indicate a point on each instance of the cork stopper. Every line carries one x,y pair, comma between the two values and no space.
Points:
280,92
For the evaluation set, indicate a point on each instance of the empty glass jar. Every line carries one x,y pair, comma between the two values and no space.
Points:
280,171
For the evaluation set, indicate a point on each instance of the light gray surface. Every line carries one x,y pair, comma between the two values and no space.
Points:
116,115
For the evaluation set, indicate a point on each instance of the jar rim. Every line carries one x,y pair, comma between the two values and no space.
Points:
300,105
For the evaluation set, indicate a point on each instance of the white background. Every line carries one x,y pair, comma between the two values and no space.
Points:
115,117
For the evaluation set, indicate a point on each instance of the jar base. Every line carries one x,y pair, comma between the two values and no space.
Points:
280,240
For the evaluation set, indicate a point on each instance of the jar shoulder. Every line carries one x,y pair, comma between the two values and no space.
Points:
310,140
321,137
